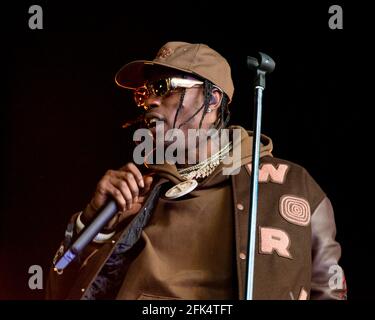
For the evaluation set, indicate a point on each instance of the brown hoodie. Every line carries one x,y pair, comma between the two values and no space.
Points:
188,245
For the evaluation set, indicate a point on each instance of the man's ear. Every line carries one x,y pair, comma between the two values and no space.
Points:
216,97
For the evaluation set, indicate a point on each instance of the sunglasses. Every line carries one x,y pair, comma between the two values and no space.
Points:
161,88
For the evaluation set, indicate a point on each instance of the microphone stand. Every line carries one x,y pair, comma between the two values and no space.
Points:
262,66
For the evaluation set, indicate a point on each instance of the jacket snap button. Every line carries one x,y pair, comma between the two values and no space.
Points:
240,206
83,289
242,256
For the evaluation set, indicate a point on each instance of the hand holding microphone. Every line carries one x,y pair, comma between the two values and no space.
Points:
119,192
125,186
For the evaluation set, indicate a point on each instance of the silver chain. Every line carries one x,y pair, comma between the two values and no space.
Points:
206,167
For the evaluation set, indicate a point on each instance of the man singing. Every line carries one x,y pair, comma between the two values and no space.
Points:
181,229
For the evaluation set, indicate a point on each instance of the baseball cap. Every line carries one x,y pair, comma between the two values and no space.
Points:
196,59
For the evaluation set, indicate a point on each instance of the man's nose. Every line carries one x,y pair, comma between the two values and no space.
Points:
153,101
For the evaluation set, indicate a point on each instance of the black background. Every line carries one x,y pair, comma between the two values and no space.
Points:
61,112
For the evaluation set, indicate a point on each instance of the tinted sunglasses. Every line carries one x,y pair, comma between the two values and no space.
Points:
161,88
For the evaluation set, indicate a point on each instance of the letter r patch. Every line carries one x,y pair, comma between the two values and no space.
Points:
277,240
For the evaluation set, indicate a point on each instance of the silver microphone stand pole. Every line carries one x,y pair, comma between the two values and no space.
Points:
263,65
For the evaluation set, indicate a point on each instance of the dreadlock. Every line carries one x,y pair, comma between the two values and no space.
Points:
179,106
224,113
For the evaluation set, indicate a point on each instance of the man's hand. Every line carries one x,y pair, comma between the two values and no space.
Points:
126,186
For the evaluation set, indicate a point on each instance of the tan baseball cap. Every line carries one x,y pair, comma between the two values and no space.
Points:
196,59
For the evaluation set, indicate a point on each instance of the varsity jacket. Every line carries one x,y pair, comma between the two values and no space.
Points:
195,247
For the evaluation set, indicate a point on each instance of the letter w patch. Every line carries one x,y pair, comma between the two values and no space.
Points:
269,173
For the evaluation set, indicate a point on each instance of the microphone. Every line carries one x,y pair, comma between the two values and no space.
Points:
87,235
264,64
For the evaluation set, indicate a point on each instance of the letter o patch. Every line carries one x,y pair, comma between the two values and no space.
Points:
295,210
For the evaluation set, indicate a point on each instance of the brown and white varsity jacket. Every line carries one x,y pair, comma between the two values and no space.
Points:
195,247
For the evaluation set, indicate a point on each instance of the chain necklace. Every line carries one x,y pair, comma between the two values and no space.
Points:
206,167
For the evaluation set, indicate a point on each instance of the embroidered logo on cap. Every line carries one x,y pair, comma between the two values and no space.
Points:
164,52
295,210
